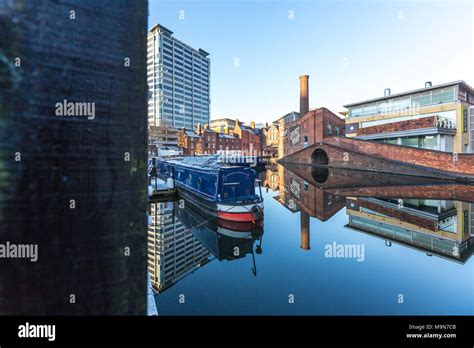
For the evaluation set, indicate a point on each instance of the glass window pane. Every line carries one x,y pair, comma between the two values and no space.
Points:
430,142
421,99
410,141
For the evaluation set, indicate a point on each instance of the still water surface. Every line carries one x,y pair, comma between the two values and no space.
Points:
333,243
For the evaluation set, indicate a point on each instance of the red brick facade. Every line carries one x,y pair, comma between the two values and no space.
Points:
425,122
207,142
251,143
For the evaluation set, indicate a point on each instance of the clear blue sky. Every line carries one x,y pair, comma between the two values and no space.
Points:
352,50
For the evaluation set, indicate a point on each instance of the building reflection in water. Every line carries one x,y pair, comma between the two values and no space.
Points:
431,216
173,251
182,239
435,226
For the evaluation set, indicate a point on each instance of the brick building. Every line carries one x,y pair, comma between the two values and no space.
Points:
309,128
312,127
203,140
250,137
206,141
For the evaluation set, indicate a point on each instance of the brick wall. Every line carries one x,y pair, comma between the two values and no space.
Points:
351,159
425,122
461,163
369,155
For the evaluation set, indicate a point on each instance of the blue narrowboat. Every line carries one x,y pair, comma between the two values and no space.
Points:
223,190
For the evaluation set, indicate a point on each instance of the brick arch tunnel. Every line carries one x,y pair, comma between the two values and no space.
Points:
319,156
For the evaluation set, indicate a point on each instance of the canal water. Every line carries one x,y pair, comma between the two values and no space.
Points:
333,242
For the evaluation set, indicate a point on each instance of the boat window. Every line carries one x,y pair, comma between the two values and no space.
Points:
199,181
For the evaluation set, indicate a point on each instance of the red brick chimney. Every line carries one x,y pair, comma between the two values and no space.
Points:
304,109
304,95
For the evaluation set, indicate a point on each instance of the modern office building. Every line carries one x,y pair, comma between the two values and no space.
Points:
178,78
173,251
434,117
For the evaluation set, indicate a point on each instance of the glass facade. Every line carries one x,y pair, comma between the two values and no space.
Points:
411,141
422,141
429,142
415,100
179,82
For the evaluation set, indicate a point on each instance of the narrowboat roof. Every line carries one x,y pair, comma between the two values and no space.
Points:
206,161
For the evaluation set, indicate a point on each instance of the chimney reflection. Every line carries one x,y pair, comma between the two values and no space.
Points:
304,220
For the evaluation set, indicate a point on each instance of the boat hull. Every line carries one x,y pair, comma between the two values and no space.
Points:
249,212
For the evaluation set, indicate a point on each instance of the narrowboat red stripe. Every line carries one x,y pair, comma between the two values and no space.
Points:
236,216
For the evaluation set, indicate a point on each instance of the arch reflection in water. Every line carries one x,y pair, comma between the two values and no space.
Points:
319,174
182,239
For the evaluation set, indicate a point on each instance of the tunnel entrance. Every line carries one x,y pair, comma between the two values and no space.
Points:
319,156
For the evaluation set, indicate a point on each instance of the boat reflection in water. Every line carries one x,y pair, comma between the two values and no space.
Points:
182,238
433,216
